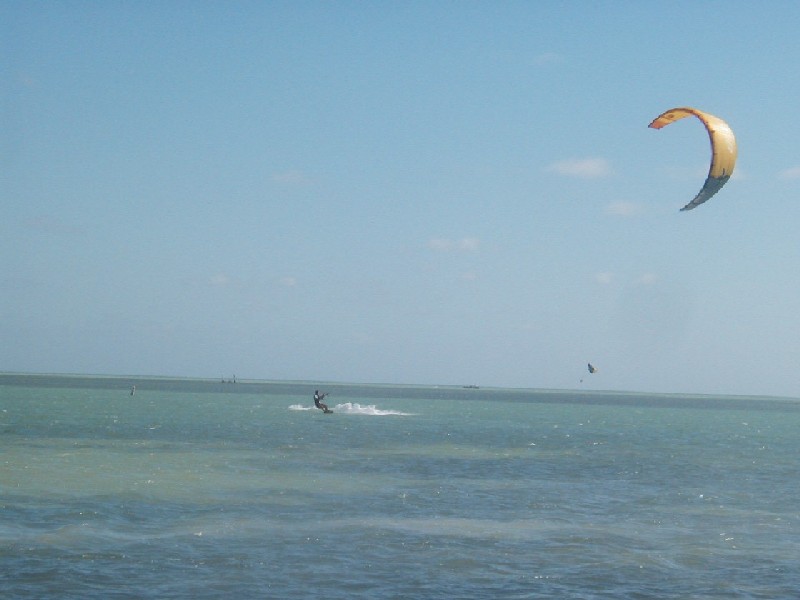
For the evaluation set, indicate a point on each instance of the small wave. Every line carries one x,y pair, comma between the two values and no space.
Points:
354,408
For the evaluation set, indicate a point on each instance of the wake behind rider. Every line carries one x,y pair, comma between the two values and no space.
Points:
318,401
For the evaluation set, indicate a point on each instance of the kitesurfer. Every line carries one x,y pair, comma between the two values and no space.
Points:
318,401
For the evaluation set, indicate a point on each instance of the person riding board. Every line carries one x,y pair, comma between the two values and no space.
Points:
318,401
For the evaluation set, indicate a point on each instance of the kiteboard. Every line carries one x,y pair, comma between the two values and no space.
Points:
328,411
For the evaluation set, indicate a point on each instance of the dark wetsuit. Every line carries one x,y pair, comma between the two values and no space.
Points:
318,401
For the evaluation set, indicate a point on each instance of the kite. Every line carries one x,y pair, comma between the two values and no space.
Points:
723,149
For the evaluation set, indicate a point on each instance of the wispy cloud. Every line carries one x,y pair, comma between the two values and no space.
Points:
219,280
585,168
52,225
548,58
467,244
791,173
607,278
604,278
623,209
291,177
288,281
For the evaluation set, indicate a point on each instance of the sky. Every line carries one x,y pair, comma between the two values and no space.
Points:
435,193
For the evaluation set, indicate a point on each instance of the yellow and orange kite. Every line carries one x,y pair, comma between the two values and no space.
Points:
723,149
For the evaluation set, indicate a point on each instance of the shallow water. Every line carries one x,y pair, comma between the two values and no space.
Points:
206,490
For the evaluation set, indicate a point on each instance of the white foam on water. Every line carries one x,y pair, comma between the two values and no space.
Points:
354,408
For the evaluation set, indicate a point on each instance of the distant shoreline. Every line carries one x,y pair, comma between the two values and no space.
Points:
383,390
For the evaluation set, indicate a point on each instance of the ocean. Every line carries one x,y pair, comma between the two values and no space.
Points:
208,489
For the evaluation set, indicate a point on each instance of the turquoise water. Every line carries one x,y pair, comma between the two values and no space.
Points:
199,489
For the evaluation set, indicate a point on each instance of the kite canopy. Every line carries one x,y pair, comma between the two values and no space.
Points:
723,149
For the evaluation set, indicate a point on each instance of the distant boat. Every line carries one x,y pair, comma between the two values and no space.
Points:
470,387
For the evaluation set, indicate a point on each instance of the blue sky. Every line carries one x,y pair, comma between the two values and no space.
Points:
416,192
